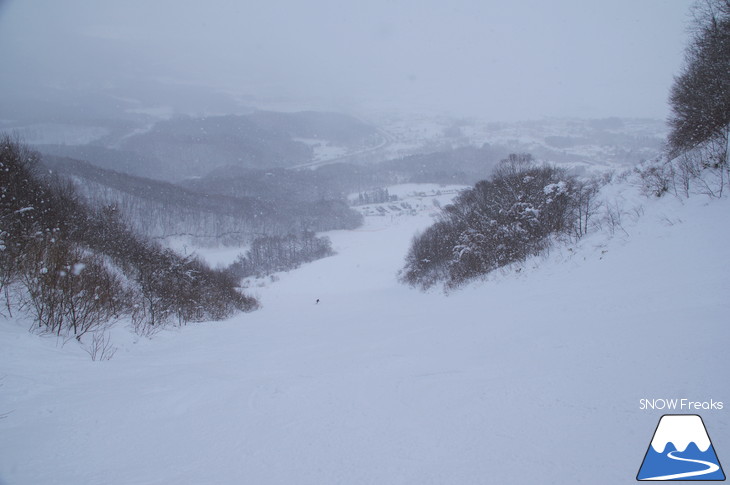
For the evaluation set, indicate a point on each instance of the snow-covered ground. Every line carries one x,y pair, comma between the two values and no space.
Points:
323,150
592,145
215,257
532,376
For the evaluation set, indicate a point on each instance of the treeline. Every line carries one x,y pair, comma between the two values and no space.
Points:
698,142
502,220
232,206
270,254
161,210
376,196
74,267
184,146
465,165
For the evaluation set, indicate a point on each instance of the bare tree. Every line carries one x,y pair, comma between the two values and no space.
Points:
700,96
100,347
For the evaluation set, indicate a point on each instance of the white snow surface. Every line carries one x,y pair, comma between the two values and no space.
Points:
680,430
215,257
531,376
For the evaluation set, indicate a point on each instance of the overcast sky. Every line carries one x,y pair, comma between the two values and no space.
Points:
496,59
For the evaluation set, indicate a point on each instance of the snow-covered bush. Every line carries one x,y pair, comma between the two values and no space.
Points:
701,170
500,221
78,267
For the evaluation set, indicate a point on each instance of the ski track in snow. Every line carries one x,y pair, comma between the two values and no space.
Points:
529,377
711,469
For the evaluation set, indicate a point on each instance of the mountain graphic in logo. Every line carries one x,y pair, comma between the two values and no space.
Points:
681,450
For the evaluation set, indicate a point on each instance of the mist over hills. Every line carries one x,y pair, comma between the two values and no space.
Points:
222,179
377,242
228,179
184,146
124,161
162,210
189,147
145,139
338,128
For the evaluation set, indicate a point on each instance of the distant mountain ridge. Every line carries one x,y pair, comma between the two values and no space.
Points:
192,147
185,146
162,209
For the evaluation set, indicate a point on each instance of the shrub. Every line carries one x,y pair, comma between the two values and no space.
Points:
79,267
500,221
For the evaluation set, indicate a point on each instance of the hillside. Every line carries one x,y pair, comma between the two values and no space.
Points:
427,148
186,147
593,145
532,376
189,147
180,147
164,210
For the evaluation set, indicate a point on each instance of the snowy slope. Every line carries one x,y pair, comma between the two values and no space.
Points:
533,376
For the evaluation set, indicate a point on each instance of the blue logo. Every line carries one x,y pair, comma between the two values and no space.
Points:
680,450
